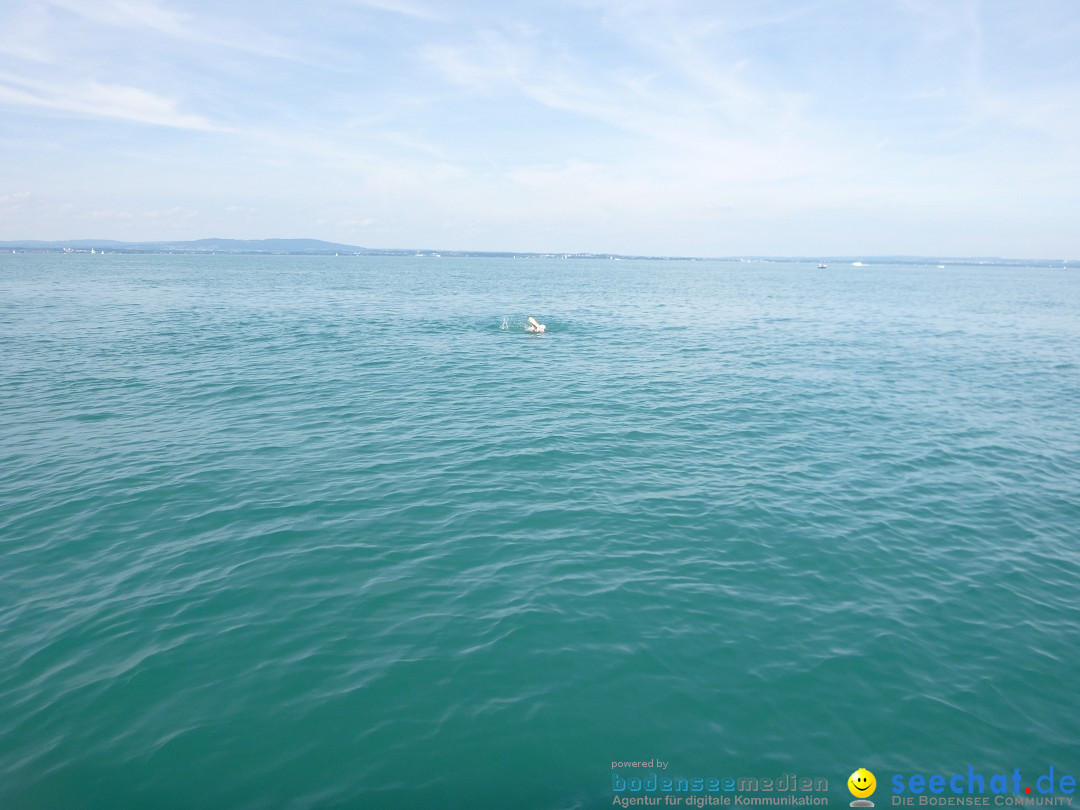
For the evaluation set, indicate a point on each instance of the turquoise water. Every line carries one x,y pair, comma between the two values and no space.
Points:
321,532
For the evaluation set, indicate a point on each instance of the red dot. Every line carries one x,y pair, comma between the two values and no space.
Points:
1027,790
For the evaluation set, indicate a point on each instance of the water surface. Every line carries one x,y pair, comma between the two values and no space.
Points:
336,532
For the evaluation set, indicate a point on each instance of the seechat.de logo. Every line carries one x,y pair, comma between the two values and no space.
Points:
862,784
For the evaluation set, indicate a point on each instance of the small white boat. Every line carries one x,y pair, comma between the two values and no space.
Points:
821,265
857,264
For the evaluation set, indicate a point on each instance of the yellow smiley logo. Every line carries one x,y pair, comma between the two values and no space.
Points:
861,783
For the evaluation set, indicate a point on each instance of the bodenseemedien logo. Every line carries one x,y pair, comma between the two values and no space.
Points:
862,785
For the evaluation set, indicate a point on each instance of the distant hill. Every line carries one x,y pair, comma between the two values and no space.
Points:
258,246
291,246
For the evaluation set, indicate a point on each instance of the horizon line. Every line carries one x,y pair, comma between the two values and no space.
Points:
95,242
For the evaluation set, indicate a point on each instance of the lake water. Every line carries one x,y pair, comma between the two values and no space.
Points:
337,532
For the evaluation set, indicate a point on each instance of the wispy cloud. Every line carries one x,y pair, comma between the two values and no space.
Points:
128,14
15,202
97,100
177,212
205,29
403,7
680,102
24,28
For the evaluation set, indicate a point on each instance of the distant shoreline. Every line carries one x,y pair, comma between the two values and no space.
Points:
314,247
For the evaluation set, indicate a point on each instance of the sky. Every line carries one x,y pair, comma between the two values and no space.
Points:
712,128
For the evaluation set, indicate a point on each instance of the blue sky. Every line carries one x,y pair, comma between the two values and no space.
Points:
936,127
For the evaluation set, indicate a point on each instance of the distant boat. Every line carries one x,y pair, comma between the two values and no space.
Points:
857,264
821,265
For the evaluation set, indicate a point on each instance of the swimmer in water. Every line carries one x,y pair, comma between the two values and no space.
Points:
534,326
